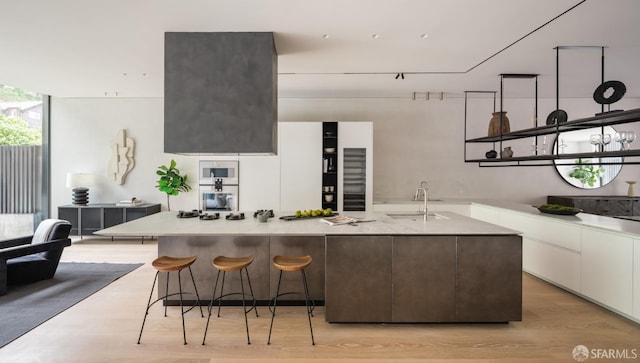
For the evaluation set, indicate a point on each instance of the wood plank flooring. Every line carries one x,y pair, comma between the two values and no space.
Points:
105,326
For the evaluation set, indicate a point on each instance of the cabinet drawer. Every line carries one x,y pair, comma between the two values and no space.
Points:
607,269
559,265
561,234
485,214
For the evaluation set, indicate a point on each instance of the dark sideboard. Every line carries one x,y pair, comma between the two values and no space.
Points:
602,205
87,219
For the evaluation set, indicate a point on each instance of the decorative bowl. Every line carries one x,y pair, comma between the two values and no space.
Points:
329,149
559,209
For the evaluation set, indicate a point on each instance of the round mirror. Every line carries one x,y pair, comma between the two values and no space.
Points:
593,172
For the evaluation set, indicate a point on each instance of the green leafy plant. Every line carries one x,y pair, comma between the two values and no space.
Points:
171,182
586,174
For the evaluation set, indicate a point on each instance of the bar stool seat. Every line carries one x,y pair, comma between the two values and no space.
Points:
293,264
226,264
172,264
168,264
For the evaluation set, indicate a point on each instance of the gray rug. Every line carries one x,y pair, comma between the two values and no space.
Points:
25,307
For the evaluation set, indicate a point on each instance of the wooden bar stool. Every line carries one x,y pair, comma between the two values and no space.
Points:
169,264
292,264
224,264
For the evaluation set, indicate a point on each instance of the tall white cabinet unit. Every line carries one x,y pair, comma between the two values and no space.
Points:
356,134
300,152
259,182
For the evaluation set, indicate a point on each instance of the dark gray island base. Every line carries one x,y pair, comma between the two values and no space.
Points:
450,268
375,279
423,279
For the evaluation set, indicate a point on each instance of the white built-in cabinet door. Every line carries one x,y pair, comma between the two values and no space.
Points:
607,269
636,278
486,214
551,250
300,152
259,182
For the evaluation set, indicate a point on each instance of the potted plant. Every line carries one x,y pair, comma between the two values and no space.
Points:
586,173
171,182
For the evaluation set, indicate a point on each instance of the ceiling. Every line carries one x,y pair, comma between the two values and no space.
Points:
79,48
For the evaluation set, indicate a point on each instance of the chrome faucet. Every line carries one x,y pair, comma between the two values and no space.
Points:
424,187
422,193
425,209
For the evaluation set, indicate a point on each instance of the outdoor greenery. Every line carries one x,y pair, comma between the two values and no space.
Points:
10,94
586,174
15,131
171,182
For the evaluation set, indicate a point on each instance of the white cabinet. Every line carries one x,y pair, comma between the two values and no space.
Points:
636,278
552,263
484,213
607,269
300,152
598,264
551,250
259,182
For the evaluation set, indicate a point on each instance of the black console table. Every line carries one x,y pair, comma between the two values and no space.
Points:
87,219
603,205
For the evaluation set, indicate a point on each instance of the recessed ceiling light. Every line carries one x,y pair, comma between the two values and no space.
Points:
325,36
375,36
424,36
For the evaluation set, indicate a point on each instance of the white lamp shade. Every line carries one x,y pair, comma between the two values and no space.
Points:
75,180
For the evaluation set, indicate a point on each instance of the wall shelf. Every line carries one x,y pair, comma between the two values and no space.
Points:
554,157
330,164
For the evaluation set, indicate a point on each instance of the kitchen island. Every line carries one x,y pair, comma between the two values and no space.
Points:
399,268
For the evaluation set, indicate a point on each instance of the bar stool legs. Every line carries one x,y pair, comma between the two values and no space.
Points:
291,263
224,264
168,264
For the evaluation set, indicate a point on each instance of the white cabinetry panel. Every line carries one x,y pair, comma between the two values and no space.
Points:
300,152
607,269
486,214
558,265
636,279
542,229
259,183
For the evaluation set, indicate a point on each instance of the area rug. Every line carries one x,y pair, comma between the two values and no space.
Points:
27,306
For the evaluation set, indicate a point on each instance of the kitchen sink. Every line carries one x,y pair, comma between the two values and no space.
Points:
417,216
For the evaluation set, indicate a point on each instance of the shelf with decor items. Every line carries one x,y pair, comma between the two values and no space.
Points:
606,119
555,125
329,192
87,219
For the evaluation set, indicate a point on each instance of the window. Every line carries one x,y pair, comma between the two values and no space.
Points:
22,176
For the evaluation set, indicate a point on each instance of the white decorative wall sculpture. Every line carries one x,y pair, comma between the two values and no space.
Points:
122,154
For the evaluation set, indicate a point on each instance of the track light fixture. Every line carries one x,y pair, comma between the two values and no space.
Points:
427,95
400,75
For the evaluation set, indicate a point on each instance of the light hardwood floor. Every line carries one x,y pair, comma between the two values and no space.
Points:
105,326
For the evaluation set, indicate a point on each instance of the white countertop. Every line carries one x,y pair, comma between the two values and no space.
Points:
167,224
583,219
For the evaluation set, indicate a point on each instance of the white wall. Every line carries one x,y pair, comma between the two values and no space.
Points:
82,130
413,141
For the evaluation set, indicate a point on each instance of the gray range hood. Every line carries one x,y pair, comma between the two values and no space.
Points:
220,93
